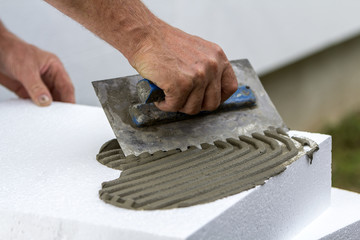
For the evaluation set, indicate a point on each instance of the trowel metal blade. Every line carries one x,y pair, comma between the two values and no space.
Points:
116,95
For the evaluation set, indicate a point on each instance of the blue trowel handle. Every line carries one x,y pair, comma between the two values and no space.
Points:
243,97
148,92
147,114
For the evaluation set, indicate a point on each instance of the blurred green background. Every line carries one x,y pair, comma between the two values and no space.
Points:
346,152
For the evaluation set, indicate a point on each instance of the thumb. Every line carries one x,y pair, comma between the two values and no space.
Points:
37,90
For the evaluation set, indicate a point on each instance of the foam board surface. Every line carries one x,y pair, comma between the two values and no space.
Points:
340,221
50,179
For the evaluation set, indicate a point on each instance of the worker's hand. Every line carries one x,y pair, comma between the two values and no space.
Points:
33,73
194,74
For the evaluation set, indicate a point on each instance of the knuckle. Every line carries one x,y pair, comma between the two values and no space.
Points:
65,87
169,88
200,73
55,62
186,85
213,64
56,59
218,50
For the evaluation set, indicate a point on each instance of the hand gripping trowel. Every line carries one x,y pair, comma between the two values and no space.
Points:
140,127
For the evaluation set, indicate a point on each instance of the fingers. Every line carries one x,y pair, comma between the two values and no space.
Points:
194,102
31,72
176,96
229,83
188,102
36,89
58,83
197,98
187,94
56,76
32,88
13,86
207,91
212,93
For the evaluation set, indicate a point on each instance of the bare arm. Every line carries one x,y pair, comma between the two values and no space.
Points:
195,74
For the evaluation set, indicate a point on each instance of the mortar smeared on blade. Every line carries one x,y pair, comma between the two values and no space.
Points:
117,95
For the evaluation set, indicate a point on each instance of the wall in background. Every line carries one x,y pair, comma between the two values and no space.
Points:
319,90
270,34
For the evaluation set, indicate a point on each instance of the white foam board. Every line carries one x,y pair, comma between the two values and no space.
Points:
340,221
50,179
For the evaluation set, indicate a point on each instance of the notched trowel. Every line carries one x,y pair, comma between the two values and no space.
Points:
140,127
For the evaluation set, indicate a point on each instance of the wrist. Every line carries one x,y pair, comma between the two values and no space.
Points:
146,41
135,37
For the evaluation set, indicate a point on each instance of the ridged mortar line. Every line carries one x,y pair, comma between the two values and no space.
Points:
302,141
282,131
167,160
255,180
195,183
151,173
109,153
179,179
200,187
170,161
257,144
116,164
107,159
190,164
232,163
259,170
224,182
287,141
174,172
273,144
175,177
244,162
155,157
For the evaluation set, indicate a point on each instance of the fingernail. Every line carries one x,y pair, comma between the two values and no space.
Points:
44,100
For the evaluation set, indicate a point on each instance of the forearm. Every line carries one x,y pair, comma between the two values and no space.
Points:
195,74
125,24
3,29
6,40
4,34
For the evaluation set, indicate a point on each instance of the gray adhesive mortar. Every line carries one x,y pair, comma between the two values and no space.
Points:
175,178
